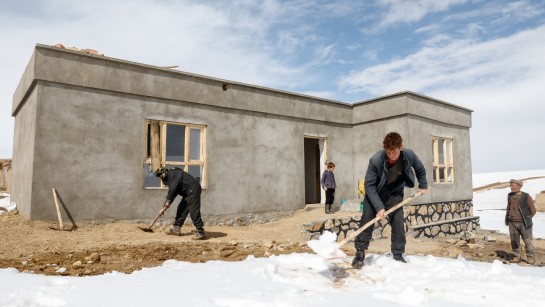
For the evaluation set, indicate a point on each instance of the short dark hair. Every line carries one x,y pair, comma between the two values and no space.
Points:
392,140
330,164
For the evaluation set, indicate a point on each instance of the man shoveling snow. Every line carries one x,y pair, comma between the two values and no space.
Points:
390,170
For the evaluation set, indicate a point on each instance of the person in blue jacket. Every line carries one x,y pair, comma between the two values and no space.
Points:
390,170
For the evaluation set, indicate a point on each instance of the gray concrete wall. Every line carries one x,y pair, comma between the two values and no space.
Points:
417,119
254,160
23,154
79,69
90,140
461,189
87,113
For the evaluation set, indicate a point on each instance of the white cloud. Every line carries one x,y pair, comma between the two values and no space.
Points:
457,65
403,11
501,80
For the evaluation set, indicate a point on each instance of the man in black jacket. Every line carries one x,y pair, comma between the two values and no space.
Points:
183,184
390,170
520,210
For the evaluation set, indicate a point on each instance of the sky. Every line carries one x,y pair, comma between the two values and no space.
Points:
484,55
305,279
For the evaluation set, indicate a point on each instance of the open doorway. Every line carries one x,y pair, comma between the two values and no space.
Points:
314,167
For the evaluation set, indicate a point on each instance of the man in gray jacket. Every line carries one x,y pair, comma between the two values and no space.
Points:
520,210
390,170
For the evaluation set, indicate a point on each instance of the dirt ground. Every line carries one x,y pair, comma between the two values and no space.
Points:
40,247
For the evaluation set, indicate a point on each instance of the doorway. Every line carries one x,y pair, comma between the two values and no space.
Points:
314,167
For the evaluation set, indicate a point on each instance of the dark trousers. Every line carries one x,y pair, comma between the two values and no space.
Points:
191,204
395,219
516,231
329,198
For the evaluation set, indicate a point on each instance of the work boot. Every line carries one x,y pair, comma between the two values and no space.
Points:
531,261
174,231
516,259
199,235
357,262
399,257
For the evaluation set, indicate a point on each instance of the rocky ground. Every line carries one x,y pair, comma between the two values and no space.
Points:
41,247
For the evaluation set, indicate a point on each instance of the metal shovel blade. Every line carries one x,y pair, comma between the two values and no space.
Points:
149,229
145,229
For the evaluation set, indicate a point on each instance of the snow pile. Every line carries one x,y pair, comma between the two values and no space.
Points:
288,280
6,203
327,246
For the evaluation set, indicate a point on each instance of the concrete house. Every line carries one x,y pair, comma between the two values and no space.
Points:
93,127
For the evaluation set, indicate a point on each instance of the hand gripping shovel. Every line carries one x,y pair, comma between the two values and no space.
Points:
148,229
373,221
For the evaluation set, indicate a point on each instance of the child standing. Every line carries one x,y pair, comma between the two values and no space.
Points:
329,185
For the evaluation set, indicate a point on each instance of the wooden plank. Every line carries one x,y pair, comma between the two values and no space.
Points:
203,157
58,208
155,145
3,186
445,160
186,147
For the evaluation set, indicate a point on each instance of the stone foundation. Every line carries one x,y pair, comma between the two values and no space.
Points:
446,228
429,220
435,212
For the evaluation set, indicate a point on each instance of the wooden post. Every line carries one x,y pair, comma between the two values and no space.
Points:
7,166
155,156
3,186
58,208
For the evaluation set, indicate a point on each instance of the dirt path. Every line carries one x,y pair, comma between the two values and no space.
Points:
39,247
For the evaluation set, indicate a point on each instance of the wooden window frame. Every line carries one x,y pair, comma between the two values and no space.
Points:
156,156
447,167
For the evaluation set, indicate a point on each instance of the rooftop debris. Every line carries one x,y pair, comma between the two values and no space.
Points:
86,50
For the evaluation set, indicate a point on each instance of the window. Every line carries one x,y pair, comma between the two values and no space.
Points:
443,161
174,145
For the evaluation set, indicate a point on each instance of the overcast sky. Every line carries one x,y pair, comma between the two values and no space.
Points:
488,56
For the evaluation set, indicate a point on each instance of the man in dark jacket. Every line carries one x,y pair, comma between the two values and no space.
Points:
390,170
183,184
520,210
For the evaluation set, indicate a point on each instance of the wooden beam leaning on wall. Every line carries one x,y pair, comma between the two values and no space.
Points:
58,208
155,153
3,186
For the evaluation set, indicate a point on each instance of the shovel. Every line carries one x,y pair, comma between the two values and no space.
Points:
373,221
148,229
329,250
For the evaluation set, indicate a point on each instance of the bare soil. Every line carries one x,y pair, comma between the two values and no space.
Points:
93,249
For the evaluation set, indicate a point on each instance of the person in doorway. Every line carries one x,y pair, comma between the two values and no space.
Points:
181,183
329,185
390,170
520,210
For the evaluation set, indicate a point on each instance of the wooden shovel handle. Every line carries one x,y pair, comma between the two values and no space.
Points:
373,221
161,212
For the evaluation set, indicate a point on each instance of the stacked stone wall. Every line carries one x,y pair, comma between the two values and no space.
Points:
449,228
435,212
446,218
